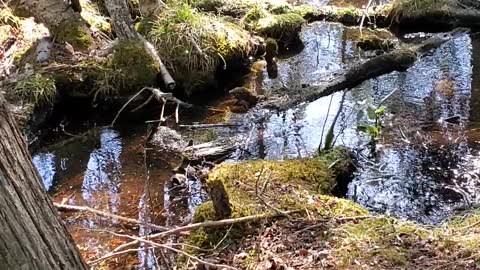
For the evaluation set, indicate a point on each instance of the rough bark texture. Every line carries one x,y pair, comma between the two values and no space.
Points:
122,22
62,21
32,235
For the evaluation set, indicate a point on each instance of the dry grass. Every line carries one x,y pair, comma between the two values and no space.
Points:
194,44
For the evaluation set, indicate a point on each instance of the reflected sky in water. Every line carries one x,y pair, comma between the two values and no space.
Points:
45,164
425,176
104,170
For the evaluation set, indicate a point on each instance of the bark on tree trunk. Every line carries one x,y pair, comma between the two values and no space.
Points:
62,21
32,235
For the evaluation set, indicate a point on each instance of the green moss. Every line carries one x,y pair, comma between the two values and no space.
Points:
254,14
130,68
208,5
37,89
280,9
409,8
144,26
303,10
75,33
193,45
208,238
283,27
92,15
381,239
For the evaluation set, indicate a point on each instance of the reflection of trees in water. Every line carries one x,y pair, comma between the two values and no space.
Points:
426,178
45,165
104,170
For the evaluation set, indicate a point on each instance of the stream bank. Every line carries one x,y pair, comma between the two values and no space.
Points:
431,115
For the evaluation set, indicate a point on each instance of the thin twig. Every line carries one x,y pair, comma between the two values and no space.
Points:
108,215
154,244
194,226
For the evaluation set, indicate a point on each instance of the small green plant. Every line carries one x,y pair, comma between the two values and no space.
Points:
371,123
37,88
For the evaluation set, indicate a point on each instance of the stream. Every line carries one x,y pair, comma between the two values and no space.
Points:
426,164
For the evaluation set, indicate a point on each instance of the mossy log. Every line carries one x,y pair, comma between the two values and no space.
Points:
438,19
62,21
397,60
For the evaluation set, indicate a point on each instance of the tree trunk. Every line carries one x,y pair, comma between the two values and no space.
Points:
32,235
62,21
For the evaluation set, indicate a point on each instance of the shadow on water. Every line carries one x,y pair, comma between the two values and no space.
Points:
427,162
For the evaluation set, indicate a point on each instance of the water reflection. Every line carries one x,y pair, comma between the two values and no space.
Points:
427,164
45,164
104,170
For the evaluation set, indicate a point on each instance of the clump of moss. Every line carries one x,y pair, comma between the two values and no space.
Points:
92,15
193,44
208,5
408,8
130,68
75,33
283,27
144,26
254,14
37,89
208,238
386,243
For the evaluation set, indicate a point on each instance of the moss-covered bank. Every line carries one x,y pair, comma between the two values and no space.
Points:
282,183
342,233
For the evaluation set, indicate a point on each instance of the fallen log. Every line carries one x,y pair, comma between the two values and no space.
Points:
397,60
210,150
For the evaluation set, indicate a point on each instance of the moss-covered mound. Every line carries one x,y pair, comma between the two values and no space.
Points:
76,33
91,14
283,27
194,44
136,65
413,8
340,233
284,184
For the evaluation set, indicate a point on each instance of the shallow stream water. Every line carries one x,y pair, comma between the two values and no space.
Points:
424,168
